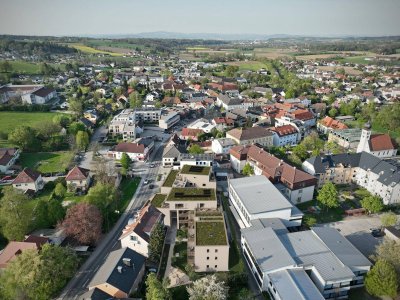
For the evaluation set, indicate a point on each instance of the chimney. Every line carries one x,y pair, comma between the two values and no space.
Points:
127,261
119,268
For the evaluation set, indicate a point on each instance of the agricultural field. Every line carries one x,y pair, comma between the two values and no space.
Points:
248,65
272,53
9,120
46,162
348,70
90,50
28,68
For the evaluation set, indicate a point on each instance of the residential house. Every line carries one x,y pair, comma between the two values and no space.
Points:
135,151
238,157
253,135
28,179
256,197
41,95
78,179
124,124
136,235
205,160
8,157
170,156
190,133
202,125
286,135
230,104
120,274
328,124
222,146
91,115
222,123
168,119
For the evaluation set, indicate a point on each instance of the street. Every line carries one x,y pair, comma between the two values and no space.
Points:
110,242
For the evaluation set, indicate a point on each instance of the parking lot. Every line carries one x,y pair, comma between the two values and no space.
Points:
358,231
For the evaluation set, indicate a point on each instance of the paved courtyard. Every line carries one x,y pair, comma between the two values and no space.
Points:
357,231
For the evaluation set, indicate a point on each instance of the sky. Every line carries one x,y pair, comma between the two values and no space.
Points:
295,17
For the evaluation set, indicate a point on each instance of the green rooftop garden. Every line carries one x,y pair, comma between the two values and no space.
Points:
158,200
170,178
191,194
210,233
195,170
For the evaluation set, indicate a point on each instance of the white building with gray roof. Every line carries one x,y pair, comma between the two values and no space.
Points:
256,198
315,264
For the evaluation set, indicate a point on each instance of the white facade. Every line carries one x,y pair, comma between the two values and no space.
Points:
285,140
135,242
237,164
364,146
168,120
37,185
222,146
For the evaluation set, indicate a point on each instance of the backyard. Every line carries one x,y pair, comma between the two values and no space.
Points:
10,120
47,162
179,260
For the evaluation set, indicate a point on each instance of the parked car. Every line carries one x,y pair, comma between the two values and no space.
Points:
151,186
145,182
7,178
152,165
377,232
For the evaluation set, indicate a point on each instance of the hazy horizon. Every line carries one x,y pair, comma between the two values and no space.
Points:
319,18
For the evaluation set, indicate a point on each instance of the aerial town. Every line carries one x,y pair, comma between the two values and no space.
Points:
199,168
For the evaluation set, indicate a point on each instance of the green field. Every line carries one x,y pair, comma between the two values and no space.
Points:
46,162
248,65
23,67
358,60
10,120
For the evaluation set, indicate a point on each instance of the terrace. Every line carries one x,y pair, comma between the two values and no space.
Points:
158,200
195,170
211,232
169,181
191,194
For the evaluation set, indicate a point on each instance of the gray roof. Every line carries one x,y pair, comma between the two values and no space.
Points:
95,294
351,135
171,152
225,142
341,247
308,250
294,284
259,195
267,249
275,223
108,271
321,163
197,157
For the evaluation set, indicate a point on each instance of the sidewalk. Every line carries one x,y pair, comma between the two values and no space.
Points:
170,239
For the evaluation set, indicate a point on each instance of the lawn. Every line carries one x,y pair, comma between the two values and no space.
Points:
24,67
47,162
195,170
181,260
358,60
325,215
191,194
90,50
128,188
10,120
248,65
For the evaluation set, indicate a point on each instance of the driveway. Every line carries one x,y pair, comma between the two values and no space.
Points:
357,231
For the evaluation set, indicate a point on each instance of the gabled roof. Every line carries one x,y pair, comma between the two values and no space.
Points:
43,92
331,123
95,294
249,133
148,217
77,173
285,130
26,176
129,148
191,131
171,152
6,154
108,272
239,152
379,142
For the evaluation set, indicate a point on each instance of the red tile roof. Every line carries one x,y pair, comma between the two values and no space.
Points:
380,142
26,176
191,132
239,152
77,173
6,154
129,148
249,133
285,130
334,124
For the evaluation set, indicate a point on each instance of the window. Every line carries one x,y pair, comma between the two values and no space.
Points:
216,250
208,250
216,257
208,266
208,258
216,266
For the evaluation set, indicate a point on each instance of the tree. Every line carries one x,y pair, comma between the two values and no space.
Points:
125,161
24,137
47,129
333,112
82,140
313,143
60,190
83,223
389,251
155,289
389,219
74,127
207,288
230,71
328,195
309,221
55,211
156,243
5,66
248,170
300,151
381,280
104,197
61,120
333,147
76,106
373,204
15,218
135,100
245,294
38,275
195,149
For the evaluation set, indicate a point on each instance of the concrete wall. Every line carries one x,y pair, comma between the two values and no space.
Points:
217,256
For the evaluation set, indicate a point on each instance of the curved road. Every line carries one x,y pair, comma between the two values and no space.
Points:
79,283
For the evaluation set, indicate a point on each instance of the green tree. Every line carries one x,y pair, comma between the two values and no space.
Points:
125,161
248,170
328,195
389,219
373,204
155,290
313,143
56,211
231,71
74,127
309,220
5,66
381,280
290,93
195,149
156,243
300,151
38,275
76,106
105,197
333,147
135,100
61,120
60,190
24,137
333,112
15,217
82,140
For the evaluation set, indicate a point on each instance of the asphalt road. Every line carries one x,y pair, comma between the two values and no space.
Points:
79,283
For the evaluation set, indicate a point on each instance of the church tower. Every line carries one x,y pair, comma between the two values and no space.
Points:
365,136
